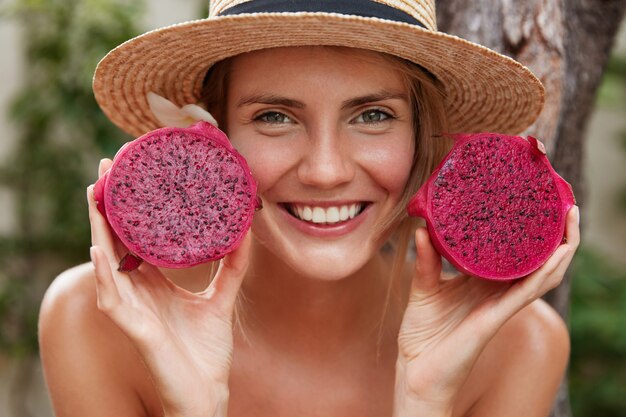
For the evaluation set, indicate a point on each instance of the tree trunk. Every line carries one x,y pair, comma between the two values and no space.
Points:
591,27
566,43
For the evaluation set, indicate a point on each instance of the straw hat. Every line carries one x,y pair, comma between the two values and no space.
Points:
484,91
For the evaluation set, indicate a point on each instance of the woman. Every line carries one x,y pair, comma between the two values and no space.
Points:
311,315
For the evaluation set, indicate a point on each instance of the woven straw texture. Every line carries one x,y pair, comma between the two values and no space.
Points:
484,91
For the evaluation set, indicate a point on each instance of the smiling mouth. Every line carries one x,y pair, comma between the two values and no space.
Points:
325,215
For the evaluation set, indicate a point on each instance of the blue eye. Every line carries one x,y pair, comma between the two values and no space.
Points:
373,116
273,117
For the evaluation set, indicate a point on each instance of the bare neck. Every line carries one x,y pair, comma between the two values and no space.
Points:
302,315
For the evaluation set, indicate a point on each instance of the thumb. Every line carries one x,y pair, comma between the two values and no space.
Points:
227,281
427,264
104,166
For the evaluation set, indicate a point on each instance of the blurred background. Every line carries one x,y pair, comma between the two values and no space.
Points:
54,135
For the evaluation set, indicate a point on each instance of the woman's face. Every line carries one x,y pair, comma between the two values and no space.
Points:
328,135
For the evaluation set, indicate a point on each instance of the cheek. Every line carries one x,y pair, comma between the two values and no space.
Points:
390,165
268,162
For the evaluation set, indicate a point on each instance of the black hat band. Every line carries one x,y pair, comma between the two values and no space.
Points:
363,8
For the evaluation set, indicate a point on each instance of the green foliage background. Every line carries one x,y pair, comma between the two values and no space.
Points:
598,324
598,300
62,135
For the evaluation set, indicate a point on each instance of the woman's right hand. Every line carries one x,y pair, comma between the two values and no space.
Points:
185,339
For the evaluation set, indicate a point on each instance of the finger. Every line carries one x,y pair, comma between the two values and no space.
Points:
572,240
572,228
102,237
529,289
427,265
554,269
227,282
502,305
551,273
555,279
572,234
118,300
100,232
107,293
104,166
98,222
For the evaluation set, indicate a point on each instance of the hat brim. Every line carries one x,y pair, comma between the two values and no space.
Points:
484,90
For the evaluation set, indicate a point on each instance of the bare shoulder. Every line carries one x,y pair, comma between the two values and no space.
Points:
70,306
521,369
536,334
87,360
74,286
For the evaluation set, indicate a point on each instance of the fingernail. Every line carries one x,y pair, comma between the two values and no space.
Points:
100,165
89,193
577,214
92,255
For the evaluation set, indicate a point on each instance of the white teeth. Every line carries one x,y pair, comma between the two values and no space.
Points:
327,215
332,215
344,213
352,211
319,215
307,213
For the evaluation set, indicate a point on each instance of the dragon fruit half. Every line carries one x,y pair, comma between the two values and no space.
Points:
177,197
495,208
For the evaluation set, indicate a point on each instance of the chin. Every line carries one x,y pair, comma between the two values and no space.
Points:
325,261
330,271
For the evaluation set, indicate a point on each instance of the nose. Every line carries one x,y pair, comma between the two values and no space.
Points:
327,161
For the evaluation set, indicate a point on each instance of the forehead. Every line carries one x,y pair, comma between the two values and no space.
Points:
316,64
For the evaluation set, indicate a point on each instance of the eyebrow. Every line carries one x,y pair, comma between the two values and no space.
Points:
370,98
270,99
274,100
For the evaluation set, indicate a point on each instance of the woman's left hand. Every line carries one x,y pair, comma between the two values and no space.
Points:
445,314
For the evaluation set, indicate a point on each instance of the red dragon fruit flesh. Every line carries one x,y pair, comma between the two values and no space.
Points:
494,208
178,197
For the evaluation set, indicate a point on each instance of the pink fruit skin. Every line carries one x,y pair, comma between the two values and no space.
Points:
106,198
450,245
129,262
